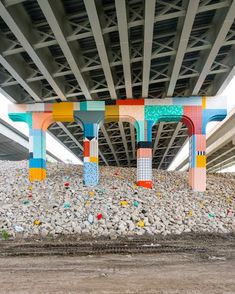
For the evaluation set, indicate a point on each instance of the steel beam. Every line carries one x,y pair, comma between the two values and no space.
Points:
53,13
182,44
219,156
109,143
120,124
177,129
224,162
159,131
17,69
221,81
223,22
132,130
99,39
124,43
18,21
148,40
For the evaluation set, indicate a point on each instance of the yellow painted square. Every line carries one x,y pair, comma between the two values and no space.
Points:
63,111
112,113
94,159
201,161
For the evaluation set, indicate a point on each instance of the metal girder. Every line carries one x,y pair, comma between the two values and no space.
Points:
15,66
12,2
222,163
109,143
148,38
17,20
159,18
183,42
159,131
221,81
205,62
179,125
98,36
124,43
132,130
120,124
219,156
55,18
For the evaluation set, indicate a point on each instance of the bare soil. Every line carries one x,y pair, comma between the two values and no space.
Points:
176,264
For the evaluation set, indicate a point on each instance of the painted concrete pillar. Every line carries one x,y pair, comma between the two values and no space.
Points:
197,147
90,114
91,155
197,162
37,154
38,123
144,154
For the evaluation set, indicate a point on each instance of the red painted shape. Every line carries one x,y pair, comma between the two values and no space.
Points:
195,115
99,216
145,184
130,102
86,148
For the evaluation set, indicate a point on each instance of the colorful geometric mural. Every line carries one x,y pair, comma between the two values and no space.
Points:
195,112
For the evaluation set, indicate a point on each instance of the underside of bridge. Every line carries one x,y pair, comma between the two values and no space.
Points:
76,50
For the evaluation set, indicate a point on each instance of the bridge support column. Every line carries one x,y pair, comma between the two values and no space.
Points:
38,123
37,154
197,162
144,164
144,153
91,154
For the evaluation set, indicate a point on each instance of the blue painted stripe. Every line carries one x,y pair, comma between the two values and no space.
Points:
37,163
192,162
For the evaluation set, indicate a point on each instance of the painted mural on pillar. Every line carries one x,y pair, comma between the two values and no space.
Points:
195,112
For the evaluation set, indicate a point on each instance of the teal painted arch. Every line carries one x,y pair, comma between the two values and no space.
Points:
22,117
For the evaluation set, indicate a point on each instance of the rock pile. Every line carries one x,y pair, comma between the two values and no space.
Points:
117,207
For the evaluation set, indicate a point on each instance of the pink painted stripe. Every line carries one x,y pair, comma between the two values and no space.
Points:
144,152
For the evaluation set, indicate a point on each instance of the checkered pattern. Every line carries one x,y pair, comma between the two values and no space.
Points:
144,169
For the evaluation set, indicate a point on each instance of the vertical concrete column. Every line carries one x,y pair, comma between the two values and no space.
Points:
38,123
91,154
37,154
37,145
197,162
144,154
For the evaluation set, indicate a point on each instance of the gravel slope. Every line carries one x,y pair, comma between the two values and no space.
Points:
62,205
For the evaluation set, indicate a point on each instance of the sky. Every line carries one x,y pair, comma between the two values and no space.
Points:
66,156
52,144
184,152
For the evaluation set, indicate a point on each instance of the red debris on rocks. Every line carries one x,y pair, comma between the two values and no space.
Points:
99,216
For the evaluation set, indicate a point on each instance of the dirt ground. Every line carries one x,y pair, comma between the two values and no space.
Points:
199,264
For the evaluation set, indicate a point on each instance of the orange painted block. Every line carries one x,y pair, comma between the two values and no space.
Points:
201,161
144,152
42,120
112,113
63,111
94,159
145,184
37,174
130,102
86,148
